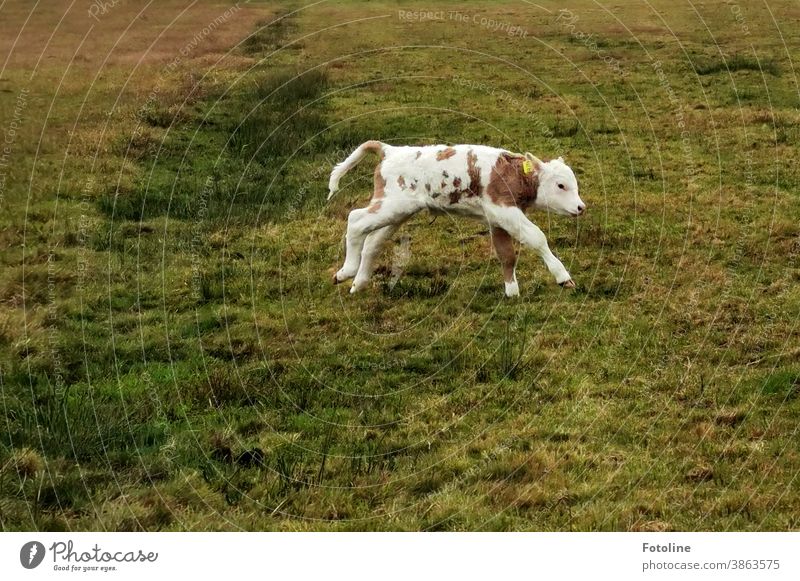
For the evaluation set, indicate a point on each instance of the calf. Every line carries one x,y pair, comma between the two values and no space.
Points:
482,182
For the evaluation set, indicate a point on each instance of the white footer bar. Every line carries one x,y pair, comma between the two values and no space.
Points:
389,556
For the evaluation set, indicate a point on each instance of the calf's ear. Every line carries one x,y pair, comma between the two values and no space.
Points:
537,163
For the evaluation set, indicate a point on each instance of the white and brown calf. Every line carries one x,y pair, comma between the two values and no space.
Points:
482,182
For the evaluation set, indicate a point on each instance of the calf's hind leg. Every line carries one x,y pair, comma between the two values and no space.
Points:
372,248
352,254
354,241
386,212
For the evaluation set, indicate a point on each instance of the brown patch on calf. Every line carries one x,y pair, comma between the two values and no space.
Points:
418,154
401,181
375,206
504,247
428,188
509,185
445,153
375,147
379,184
474,186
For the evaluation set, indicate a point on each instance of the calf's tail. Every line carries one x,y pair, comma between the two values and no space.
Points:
351,161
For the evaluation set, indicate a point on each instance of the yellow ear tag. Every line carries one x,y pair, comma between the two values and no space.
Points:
527,166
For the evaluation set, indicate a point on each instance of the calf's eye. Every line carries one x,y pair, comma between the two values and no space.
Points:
561,187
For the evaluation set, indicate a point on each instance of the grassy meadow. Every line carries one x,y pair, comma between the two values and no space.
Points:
173,355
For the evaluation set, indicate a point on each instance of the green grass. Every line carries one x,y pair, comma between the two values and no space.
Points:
736,63
173,355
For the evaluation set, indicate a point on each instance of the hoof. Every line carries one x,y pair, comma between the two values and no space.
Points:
512,289
358,285
341,276
568,284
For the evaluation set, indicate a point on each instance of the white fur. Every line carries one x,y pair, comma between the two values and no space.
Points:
512,289
415,180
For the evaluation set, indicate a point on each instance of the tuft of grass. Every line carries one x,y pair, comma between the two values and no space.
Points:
415,288
265,134
735,63
222,387
269,34
784,383
565,128
76,425
292,87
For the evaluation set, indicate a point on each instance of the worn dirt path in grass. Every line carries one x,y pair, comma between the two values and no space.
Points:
57,31
74,61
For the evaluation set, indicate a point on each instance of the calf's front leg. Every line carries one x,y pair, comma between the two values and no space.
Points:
504,247
517,224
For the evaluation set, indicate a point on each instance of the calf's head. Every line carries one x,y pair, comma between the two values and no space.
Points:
558,188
